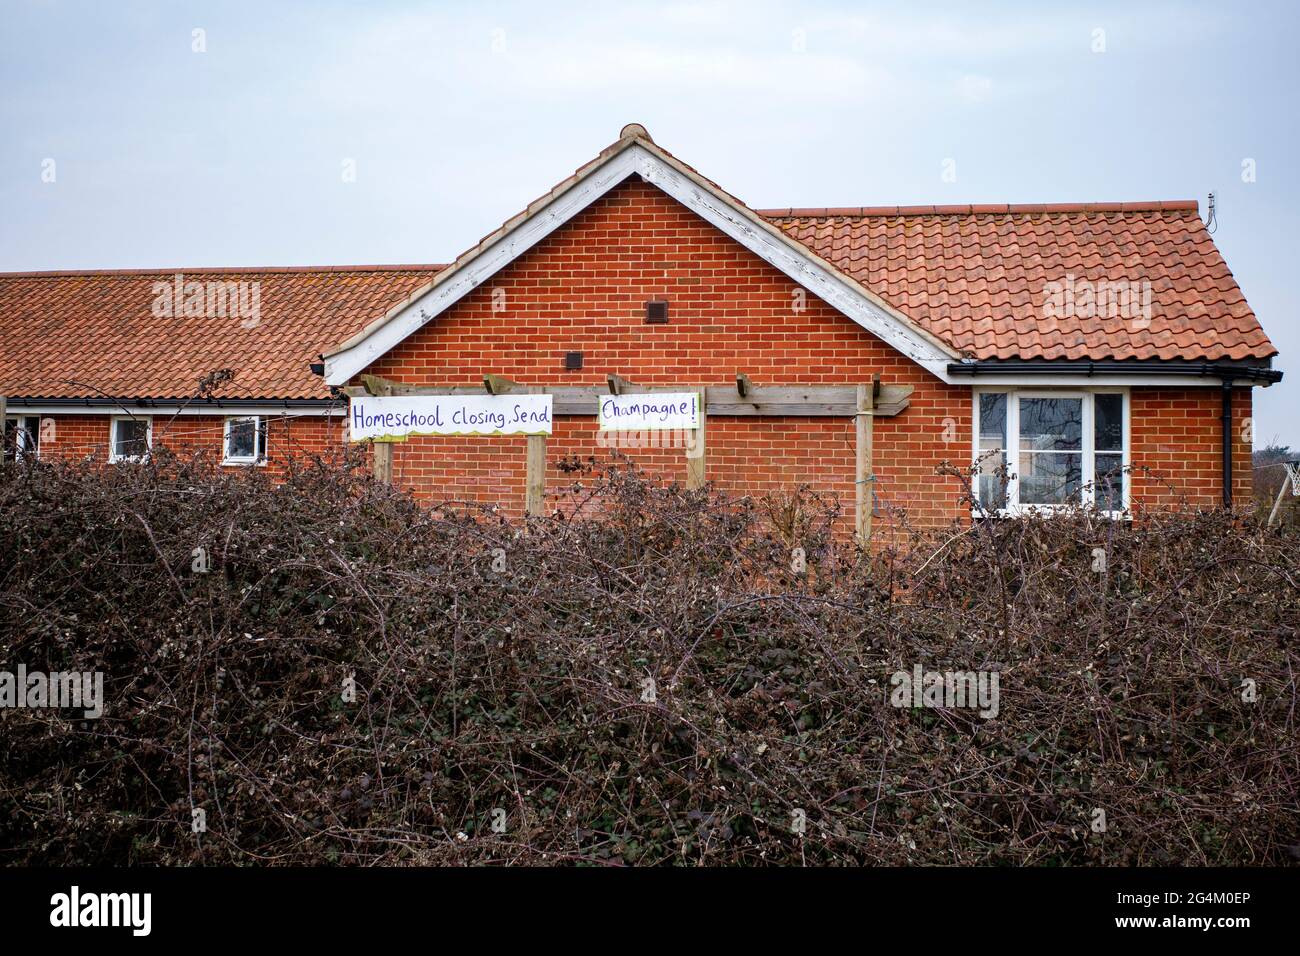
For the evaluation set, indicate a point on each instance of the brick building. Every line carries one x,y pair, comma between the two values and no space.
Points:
1099,353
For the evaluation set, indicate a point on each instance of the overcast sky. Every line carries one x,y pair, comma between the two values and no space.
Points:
231,146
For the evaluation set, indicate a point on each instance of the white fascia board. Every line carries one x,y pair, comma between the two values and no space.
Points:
797,263
465,278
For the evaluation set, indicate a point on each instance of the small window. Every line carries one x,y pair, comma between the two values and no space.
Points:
1045,450
245,440
22,438
130,438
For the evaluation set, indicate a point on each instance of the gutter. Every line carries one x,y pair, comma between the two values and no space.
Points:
172,406
1226,372
1220,370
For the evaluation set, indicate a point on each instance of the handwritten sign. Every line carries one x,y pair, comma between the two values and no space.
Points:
657,410
393,417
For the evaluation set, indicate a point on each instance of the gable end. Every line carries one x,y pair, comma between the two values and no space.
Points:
639,157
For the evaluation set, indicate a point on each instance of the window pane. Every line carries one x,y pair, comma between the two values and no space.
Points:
1051,424
31,436
242,441
991,466
1109,484
130,438
1109,423
992,478
993,418
1050,478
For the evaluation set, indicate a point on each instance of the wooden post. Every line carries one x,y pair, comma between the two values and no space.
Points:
381,451
695,456
383,461
865,477
535,491
4,432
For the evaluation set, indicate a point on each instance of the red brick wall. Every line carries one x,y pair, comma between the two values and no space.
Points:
584,288
84,436
75,436
1177,446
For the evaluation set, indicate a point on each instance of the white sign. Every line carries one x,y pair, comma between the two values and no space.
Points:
396,416
656,410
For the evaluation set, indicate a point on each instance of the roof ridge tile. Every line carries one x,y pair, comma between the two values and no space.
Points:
981,209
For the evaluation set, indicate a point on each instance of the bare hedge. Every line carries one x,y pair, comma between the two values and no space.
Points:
655,680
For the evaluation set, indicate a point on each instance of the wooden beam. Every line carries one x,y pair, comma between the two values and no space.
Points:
864,476
743,384
499,384
837,401
695,456
535,472
378,385
810,401
618,385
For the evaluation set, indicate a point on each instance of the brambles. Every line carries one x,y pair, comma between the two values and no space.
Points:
351,678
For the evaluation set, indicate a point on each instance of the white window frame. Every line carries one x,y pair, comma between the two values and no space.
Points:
26,440
113,456
1087,495
261,430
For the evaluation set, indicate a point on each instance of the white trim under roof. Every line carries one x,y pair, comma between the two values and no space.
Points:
639,156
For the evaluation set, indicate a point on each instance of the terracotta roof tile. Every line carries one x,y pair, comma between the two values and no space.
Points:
94,334
974,276
979,277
